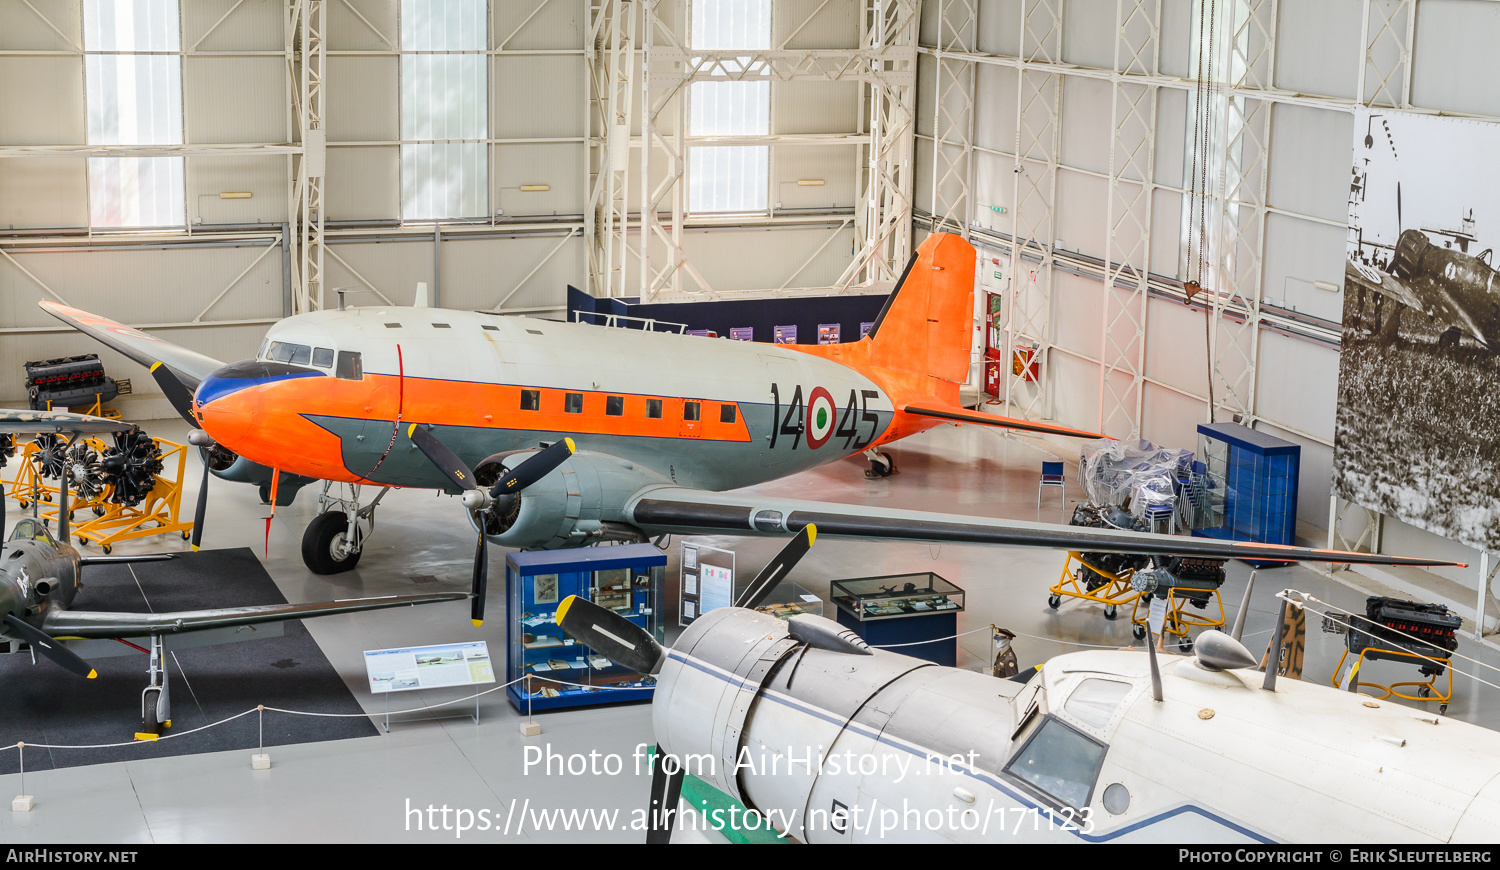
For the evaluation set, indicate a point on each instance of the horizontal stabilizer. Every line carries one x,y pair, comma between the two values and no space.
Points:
93,624
660,510
963,415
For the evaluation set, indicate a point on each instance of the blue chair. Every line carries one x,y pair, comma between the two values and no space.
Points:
1052,475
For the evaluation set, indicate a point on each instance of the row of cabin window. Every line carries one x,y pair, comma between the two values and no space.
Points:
614,406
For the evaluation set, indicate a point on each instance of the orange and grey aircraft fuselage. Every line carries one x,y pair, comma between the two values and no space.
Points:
664,425
331,393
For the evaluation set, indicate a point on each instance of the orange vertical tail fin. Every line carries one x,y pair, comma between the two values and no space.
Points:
926,326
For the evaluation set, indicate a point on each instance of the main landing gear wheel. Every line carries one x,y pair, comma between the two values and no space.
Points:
151,718
324,544
881,465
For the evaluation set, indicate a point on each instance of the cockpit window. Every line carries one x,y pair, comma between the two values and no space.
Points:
1093,703
292,354
28,529
1060,762
350,368
322,357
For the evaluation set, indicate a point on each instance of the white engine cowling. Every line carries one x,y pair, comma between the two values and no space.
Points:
580,502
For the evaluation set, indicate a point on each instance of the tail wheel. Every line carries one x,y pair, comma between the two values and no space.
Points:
323,543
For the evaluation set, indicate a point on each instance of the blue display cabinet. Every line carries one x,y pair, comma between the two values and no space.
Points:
1255,475
626,579
915,613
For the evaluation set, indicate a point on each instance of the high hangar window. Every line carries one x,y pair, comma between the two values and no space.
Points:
729,177
444,114
133,84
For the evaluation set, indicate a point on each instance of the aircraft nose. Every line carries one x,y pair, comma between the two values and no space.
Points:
228,399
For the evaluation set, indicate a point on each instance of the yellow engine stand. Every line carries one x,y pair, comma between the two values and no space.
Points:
1115,592
28,486
1425,691
158,514
1178,621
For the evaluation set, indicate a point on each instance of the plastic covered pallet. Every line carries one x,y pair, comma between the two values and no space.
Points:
1135,475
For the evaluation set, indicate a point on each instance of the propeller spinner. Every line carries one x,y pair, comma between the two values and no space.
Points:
478,499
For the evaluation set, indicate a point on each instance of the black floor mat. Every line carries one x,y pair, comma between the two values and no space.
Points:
44,704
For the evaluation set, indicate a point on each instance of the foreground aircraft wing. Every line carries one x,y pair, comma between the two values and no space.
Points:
24,422
190,366
674,510
1384,283
101,624
953,414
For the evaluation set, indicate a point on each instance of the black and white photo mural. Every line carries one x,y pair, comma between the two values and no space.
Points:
1418,419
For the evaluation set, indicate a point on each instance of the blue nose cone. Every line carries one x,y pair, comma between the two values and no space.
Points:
245,374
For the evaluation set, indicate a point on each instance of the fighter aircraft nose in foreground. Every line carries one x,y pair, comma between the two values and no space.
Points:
40,577
831,741
663,424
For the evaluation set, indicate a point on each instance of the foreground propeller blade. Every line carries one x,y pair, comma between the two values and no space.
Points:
202,509
610,634
666,790
481,577
438,454
44,644
176,392
538,466
779,567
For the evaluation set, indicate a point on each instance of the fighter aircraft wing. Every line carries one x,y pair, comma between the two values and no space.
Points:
189,365
1384,283
952,414
24,422
101,624
674,510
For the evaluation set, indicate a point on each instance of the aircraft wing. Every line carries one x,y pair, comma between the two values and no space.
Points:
1384,283
952,414
190,366
24,422
101,624
674,510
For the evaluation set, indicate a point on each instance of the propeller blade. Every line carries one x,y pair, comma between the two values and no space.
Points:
202,509
779,567
610,634
538,466
44,644
176,392
438,454
481,577
666,790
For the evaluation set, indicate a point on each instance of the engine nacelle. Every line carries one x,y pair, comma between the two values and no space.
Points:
228,465
581,502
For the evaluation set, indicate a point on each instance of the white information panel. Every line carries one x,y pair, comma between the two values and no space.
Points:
707,581
426,667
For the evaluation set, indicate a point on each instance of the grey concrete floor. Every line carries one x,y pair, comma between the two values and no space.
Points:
378,789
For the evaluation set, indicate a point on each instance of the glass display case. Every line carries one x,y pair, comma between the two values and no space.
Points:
789,599
626,579
872,598
912,614
1255,475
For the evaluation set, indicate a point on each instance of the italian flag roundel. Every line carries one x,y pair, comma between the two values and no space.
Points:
821,414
